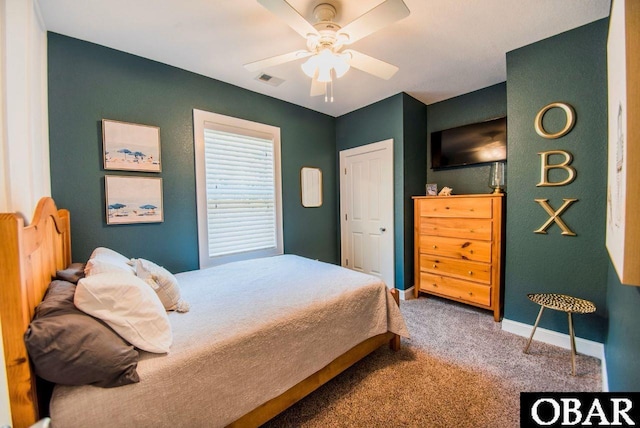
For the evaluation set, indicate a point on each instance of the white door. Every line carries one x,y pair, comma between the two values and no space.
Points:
366,209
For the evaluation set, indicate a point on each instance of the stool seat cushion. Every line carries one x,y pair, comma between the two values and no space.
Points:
562,302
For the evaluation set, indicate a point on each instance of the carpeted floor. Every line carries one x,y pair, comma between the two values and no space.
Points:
458,369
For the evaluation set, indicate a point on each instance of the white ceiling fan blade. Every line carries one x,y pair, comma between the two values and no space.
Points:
276,60
317,88
378,17
370,65
290,16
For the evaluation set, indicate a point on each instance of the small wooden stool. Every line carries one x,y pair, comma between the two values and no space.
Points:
564,303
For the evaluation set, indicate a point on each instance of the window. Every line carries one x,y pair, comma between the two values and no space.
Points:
238,188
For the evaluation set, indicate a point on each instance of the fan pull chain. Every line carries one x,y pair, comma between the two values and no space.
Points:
328,88
331,89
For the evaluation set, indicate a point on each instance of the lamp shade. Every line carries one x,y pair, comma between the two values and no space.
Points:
341,64
309,66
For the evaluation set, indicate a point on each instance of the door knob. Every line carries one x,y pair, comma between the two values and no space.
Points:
383,229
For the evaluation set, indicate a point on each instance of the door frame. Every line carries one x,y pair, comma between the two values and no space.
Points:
344,154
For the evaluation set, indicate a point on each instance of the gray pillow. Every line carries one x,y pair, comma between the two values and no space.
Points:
70,347
73,273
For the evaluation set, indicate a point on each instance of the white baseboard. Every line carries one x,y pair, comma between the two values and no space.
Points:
583,346
406,294
605,377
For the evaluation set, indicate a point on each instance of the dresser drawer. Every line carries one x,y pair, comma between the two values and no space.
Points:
463,269
456,207
466,249
456,228
455,288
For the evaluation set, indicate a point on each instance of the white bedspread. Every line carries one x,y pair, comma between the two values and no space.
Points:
255,329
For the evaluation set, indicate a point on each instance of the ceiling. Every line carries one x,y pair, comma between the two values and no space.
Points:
444,48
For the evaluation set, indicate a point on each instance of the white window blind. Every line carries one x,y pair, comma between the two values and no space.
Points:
241,199
238,188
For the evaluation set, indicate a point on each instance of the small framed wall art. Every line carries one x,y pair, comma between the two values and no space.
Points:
311,187
130,147
133,199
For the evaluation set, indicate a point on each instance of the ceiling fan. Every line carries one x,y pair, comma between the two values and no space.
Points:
326,41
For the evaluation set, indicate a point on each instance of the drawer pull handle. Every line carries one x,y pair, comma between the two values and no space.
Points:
470,272
470,293
435,246
435,266
435,285
470,251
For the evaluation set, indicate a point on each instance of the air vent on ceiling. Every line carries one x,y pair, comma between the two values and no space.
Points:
269,80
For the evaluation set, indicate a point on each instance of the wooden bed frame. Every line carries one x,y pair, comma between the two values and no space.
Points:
29,258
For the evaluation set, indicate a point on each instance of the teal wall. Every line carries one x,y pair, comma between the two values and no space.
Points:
403,119
414,161
570,67
377,122
88,83
477,106
623,338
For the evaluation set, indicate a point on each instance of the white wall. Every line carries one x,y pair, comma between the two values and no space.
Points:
24,135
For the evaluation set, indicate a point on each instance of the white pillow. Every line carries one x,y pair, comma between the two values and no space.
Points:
164,284
103,253
129,306
97,266
106,260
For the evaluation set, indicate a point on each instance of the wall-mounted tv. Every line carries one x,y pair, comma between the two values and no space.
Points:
472,144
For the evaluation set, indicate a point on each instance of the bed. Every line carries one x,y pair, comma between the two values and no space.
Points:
232,362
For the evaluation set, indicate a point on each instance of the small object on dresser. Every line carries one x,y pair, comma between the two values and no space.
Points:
496,177
446,191
432,189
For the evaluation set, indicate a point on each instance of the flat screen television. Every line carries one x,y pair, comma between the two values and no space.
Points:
473,144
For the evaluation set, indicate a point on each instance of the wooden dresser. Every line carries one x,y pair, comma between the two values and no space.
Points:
458,248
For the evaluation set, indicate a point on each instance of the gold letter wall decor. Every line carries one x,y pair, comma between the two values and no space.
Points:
571,120
555,216
565,165
545,167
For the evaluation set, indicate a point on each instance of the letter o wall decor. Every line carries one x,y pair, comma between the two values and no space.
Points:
571,120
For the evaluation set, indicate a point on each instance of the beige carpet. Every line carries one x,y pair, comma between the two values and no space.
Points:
459,369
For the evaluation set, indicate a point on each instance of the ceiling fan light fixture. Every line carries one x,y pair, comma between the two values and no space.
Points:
341,40
341,68
324,73
310,66
325,57
323,62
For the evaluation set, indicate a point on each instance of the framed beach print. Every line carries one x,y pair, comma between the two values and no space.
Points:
623,198
130,147
133,199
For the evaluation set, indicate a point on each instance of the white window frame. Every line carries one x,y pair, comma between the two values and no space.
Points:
201,120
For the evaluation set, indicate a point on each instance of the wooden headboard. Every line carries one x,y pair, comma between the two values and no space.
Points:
29,258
